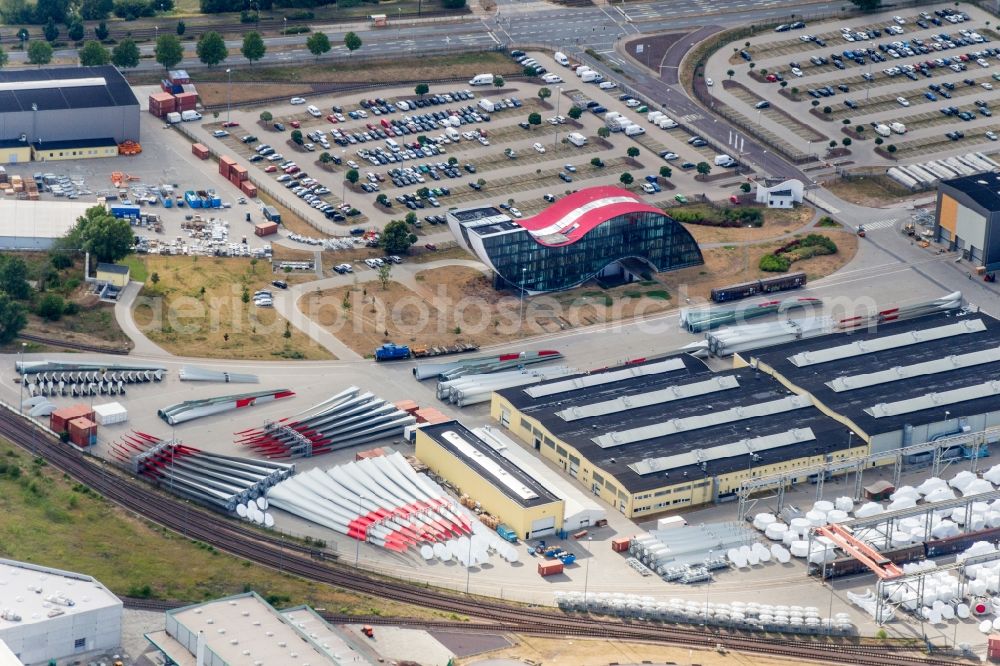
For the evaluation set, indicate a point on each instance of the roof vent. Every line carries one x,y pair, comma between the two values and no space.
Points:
981,182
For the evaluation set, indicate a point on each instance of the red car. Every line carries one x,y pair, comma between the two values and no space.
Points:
295,124
772,78
431,246
270,168
332,118
230,123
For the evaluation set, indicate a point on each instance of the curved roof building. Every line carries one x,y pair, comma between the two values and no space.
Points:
585,235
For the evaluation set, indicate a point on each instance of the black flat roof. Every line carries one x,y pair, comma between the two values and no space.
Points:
13,143
852,403
113,268
753,388
53,96
542,495
983,188
473,214
105,142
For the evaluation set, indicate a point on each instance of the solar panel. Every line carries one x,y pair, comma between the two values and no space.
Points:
934,400
740,448
489,465
862,347
954,362
669,394
586,381
674,426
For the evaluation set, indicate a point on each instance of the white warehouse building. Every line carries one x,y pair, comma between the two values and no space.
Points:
48,614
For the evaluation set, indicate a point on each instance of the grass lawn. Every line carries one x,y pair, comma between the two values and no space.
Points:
196,309
51,521
776,223
137,268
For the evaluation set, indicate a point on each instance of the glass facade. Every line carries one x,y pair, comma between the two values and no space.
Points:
652,237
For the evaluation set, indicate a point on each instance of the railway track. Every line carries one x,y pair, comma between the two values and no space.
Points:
486,613
75,346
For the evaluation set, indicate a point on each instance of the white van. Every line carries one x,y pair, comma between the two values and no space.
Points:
583,69
634,130
654,116
453,134
607,85
666,123
190,115
313,111
724,160
481,80
882,130
487,105
561,58
577,139
173,117
898,128
392,145
589,77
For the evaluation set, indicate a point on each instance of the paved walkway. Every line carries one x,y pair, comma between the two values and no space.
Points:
141,345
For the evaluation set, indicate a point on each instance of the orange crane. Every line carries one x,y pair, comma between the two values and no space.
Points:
880,565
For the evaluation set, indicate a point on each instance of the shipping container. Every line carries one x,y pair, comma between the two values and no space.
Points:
126,211
186,101
249,189
226,165
200,151
620,545
370,453
271,213
266,228
82,432
993,647
550,568
241,171
179,76
110,413
59,418
671,522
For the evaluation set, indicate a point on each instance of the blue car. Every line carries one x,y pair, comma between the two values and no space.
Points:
931,96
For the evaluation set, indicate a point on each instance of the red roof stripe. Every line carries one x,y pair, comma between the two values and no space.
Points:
589,220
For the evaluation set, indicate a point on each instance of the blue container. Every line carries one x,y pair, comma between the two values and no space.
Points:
125,211
216,202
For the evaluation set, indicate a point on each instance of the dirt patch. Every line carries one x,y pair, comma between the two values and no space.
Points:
874,191
457,304
583,652
731,264
777,223
197,308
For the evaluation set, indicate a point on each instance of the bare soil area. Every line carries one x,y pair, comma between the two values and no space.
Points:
776,223
873,191
457,304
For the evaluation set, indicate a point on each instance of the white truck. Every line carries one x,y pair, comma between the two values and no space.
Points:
882,130
898,128
481,80
634,130
724,160
577,139
561,58
589,76
487,105
190,115
173,117
583,69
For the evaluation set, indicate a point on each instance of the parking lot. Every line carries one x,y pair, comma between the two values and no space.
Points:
918,82
458,146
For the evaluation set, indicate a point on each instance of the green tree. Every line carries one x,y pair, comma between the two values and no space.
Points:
745,187
703,168
498,82
867,5
603,132
318,44
879,141
74,30
296,136
14,277
51,31
666,172
422,89
396,238
3,58
253,46
101,31
597,162
846,141
39,53
382,199
891,148
181,28
106,237
168,51
211,48
574,112
534,119
411,218
730,73
544,93
154,278
352,42
632,151
266,116
93,54
51,307
125,55
352,176
12,319
96,10
384,273
626,179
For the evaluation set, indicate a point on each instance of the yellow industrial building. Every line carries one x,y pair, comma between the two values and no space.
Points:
669,434
116,275
74,150
458,455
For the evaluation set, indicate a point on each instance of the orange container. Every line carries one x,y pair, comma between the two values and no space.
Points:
620,545
83,432
248,188
550,568
266,228
59,419
200,151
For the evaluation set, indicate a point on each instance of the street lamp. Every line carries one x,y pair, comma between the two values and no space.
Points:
229,95
523,276
343,186
555,143
357,551
586,577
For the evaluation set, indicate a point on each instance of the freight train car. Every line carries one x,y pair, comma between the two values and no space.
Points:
745,289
